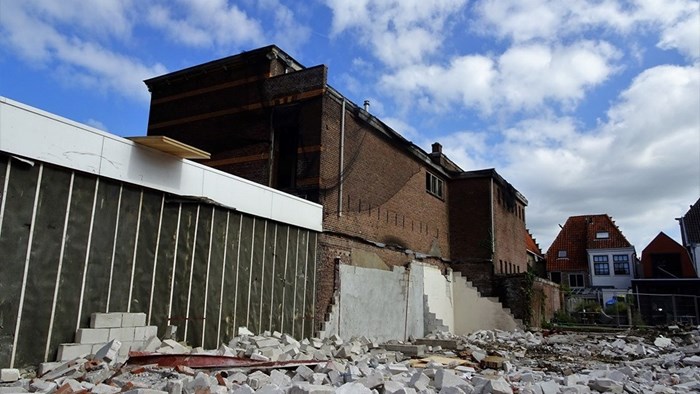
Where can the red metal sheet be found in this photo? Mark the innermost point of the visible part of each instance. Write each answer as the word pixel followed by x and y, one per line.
pixel 210 361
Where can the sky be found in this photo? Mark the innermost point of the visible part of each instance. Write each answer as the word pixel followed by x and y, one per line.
pixel 585 106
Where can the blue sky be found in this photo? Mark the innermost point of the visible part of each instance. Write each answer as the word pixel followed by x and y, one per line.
pixel 585 106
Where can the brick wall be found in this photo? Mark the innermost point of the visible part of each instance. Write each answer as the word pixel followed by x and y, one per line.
pixel 384 196
pixel 470 221
pixel 510 254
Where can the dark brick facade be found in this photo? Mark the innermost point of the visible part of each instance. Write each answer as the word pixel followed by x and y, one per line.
pixel 264 117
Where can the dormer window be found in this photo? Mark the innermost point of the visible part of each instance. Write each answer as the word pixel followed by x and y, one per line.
pixel 602 235
pixel 562 254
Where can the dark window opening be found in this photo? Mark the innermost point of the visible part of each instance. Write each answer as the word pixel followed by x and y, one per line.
pixel 666 265
pixel 286 164
pixel 576 280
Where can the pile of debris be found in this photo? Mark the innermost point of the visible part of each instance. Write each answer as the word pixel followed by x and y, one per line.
pixel 483 362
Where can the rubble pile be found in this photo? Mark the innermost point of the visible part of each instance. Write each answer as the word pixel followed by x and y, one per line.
pixel 483 362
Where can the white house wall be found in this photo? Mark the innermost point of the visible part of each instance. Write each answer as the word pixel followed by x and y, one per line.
pixel 616 281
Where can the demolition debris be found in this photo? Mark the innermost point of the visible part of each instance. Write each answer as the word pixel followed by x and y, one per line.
pixel 483 362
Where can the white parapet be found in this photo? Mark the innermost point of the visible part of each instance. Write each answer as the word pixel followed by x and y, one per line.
pixel 38 135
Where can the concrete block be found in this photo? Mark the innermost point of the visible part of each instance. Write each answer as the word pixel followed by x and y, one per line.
pixel 105 320
pixel 109 351
pixel 9 375
pixel 92 335
pixel 69 351
pixel 409 350
pixel 133 319
pixel 42 386
pixel 443 343
pixel 144 333
pixel 154 343
pixel 258 379
pixel 145 391
pixel 105 389
pixel 125 334
pixel 50 366
pixel 353 388
pixel 308 388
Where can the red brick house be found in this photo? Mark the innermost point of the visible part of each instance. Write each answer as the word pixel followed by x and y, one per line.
pixel 590 251
pixel 265 117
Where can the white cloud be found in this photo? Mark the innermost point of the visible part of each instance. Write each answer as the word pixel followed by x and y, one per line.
pixel 76 59
pixel 96 124
pixel 676 21
pixel 524 77
pixel 641 165
pixel 399 32
pixel 210 23
pixel 683 36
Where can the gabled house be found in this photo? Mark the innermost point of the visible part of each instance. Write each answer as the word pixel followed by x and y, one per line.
pixel 590 251
pixel 664 258
pixel 690 233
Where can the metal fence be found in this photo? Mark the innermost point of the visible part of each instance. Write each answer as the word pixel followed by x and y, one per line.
pixel 634 309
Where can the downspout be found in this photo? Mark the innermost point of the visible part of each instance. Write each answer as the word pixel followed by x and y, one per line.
pixel 271 159
pixel 340 165
pixel 493 226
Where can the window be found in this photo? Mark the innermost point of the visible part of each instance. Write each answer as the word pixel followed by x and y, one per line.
pixel 602 235
pixel 433 185
pixel 561 254
pixel 576 280
pixel 621 264
pixel 555 277
pixel 600 265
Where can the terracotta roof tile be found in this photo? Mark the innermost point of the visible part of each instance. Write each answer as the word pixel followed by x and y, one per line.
pixel 531 245
pixel 579 234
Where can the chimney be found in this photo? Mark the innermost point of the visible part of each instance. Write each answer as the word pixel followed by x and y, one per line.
pixel 367 105
pixel 437 148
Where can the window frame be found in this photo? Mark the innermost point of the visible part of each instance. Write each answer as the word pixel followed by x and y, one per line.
pixel 621 264
pixel 601 265
pixel 602 235
pixel 434 185
pixel 577 276
pixel 562 254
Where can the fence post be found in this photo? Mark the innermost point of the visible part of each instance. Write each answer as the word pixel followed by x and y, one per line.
pixel 673 301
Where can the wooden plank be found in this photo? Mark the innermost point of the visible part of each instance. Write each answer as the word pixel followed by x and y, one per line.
pixel 172 146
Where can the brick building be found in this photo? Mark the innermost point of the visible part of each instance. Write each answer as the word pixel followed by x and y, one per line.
pixel 265 117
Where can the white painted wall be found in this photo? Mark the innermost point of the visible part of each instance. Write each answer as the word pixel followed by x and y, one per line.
pixel 616 281
pixel 34 134
pixel 386 305
pixel 439 290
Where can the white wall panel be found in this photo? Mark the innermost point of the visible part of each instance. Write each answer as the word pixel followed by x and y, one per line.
pixel 38 135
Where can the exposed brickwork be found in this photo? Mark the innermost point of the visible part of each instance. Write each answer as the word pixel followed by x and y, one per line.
pixel 264 117
pixel 534 300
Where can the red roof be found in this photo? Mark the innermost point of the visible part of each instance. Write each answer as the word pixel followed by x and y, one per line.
pixel 579 234
pixel 531 245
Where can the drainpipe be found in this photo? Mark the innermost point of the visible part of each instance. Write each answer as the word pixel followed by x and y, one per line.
pixel 493 226
pixel 340 165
